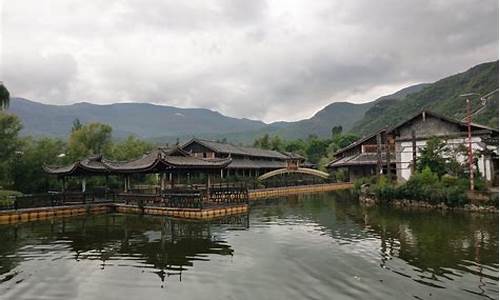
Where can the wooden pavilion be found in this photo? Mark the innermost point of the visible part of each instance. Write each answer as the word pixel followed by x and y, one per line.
pixel 174 163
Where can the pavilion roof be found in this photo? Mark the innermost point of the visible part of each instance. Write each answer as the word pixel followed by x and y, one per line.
pixel 155 161
pixel 89 166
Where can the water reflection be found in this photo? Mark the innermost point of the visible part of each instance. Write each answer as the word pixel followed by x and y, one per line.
pixel 165 247
pixel 439 246
pixel 314 247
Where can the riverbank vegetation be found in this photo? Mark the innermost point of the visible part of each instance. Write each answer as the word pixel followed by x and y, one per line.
pixel 22 158
pixel 440 178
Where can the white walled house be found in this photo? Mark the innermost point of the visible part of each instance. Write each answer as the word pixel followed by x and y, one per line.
pixel 402 141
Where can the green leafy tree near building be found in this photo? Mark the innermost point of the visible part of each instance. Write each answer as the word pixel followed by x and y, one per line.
pixel 90 139
pixel 130 148
pixel 26 168
pixel 10 125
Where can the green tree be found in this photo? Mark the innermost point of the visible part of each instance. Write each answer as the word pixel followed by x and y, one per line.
pixel 130 148
pixel 296 146
pixel 316 149
pixel 10 126
pixel 263 142
pixel 276 143
pixel 90 139
pixel 434 156
pixel 27 165
pixel 336 130
pixel 4 97
pixel 344 140
pixel 76 125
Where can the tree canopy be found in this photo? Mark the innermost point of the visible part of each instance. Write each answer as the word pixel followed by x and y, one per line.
pixel 4 97
pixel 90 139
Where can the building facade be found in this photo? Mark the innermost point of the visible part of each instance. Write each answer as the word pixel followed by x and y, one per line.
pixel 394 150
pixel 245 161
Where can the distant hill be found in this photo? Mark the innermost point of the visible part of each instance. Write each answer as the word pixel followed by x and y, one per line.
pixel 344 114
pixel 140 119
pixel 166 124
pixel 442 96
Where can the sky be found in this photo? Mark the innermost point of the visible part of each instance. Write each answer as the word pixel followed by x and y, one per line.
pixel 260 59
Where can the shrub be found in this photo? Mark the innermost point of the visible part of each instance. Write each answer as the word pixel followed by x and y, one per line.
pixel 384 190
pixel 456 195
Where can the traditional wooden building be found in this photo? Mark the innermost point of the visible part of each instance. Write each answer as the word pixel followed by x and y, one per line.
pixel 245 161
pixel 395 149
pixel 364 158
pixel 172 163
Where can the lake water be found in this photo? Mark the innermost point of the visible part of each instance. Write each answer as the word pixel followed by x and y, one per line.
pixel 313 247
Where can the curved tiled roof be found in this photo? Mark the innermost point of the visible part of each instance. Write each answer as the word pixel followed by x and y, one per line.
pixel 91 165
pixel 156 160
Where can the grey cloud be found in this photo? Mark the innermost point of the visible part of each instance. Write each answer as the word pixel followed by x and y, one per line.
pixel 47 77
pixel 258 59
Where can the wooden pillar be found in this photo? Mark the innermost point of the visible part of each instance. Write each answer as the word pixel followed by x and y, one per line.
pixel 125 183
pixel 84 184
pixel 64 184
pixel 388 156
pixel 172 183
pixel 379 154
pixel 414 151
pixel 163 178
pixel 222 173
pixel 208 185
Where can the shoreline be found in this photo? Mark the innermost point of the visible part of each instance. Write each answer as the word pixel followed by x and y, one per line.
pixel 369 201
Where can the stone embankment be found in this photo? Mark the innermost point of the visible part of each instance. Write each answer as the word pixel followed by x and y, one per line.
pixel 370 200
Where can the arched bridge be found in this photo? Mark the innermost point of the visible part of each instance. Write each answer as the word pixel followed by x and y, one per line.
pixel 306 171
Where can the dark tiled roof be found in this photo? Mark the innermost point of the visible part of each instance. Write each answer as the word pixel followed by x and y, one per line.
pixel 358 159
pixel 255 164
pixel 145 163
pixel 360 141
pixel 444 118
pixel 239 150
pixel 156 160
pixel 91 165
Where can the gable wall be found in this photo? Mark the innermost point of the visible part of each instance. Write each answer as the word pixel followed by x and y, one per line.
pixel 431 126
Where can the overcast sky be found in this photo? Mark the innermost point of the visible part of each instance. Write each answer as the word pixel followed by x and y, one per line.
pixel 269 60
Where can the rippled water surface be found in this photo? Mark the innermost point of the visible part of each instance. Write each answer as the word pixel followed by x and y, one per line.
pixel 316 247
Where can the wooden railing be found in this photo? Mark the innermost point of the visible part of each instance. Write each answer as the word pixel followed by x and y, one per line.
pixel 55 199
pixel 228 195
pixel 194 198
pixel 184 198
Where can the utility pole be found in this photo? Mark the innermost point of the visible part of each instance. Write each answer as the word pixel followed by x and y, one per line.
pixel 469 133
pixel 483 99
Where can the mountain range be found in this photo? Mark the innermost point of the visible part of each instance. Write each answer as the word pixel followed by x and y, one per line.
pixel 162 124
